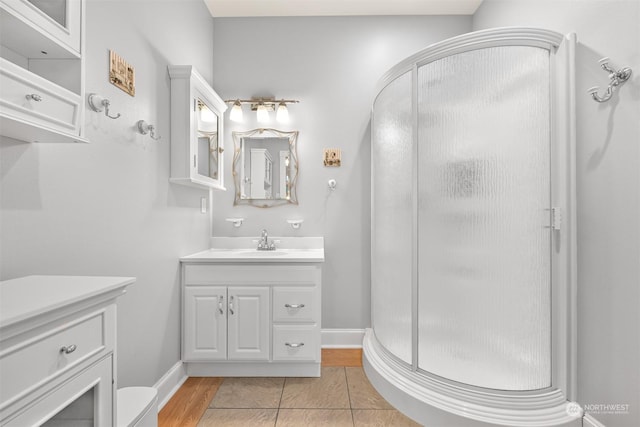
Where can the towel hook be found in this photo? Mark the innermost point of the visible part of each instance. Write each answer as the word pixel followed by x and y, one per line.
pixel 145 128
pixel 98 103
pixel 616 79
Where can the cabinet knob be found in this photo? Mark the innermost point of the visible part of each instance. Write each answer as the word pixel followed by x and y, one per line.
pixel 294 345
pixel 68 349
pixel 294 305
pixel 34 97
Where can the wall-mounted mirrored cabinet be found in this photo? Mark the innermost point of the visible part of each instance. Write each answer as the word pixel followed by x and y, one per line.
pixel 197 149
pixel 265 167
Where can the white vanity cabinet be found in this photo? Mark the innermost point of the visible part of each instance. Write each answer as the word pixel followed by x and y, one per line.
pixel 197 148
pixel 226 323
pixel 42 70
pixel 251 318
pixel 57 350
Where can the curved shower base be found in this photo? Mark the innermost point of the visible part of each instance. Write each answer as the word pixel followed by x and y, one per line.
pixel 436 402
pixel 437 271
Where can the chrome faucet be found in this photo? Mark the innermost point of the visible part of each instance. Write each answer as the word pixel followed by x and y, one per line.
pixel 264 245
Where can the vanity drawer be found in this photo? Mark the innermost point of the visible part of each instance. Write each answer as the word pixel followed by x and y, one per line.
pixel 32 363
pixel 27 97
pixel 295 304
pixel 296 342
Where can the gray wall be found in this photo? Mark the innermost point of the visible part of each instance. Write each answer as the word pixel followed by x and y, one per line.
pixel 332 65
pixel 107 208
pixel 608 181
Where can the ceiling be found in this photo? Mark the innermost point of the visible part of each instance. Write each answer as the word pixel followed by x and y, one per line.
pixel 249 8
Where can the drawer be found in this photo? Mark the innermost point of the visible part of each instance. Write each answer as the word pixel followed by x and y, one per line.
pixel 31 364
pixel 51 106
pixel 296 342
pixel 295 304
pixel 244 274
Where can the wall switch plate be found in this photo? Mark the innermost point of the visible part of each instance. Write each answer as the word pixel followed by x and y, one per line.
pixel 332 156
pixel 203 205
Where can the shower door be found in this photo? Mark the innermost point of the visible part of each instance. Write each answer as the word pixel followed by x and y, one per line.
pixel 484 269
pixel 392 206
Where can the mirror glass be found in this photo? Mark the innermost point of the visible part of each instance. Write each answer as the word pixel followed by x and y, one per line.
pixel 265 167
pixel 55 9
pixel 208 147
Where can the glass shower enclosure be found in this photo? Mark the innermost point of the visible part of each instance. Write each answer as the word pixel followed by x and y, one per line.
pixel 473 274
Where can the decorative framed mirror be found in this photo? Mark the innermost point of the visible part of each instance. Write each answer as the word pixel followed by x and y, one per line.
pixel 265 167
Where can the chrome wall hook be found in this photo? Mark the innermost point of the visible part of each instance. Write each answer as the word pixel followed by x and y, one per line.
pixel 98 103
pixel 145 128
pixel 616 79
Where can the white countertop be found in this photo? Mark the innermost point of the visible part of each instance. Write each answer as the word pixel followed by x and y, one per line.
pixel 31 296
pixel 243 249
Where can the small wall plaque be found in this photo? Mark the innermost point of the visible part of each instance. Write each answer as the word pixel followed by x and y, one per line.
pixel 121 73
pixel 332 157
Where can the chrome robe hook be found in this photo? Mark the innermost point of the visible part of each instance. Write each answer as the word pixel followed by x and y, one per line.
pixel 616 79
pixel 98 103
pixel 145 128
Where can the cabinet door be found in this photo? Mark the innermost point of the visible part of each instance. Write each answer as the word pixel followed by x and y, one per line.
pixel 249 324
pixel 55 405
pixel 59 20
pixel 205 323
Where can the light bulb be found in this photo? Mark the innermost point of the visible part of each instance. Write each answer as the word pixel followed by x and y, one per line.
pixel 282 115
pixel 206 115
pixel 262 113
pixel 236 112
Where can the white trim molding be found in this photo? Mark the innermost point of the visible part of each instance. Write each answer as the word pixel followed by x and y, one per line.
pixel 342 338
pixel 170 382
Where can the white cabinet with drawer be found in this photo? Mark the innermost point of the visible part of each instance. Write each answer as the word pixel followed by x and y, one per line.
pixel 251 319
pixel 42 70
pixel 57 343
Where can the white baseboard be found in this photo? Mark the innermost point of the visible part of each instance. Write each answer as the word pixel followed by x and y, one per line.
pixel 342 338
pixel 170 383
pixel 589 421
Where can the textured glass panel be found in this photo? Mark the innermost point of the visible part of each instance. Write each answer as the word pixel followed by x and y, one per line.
pixel 484 251
pixel 392 207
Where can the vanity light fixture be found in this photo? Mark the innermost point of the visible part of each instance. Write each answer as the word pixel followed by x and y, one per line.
pixel 262 114
pixel 206 115
pixel 282 113
pixel 262 107
pixel 236 112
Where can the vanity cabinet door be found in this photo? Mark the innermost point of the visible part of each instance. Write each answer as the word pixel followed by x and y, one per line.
pixel 205 323
pixel 249 324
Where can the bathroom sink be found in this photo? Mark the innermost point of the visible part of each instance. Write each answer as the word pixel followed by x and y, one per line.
pixel 243 249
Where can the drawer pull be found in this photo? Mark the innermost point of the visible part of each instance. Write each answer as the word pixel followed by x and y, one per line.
pixel 294 305
pixel 293 344
pixel 34 97
pixel 68 349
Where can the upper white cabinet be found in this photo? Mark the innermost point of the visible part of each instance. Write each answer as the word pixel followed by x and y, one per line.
pixel 41 70
pixel 196 130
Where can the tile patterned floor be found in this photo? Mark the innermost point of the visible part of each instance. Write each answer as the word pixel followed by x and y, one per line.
pixel 342 396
